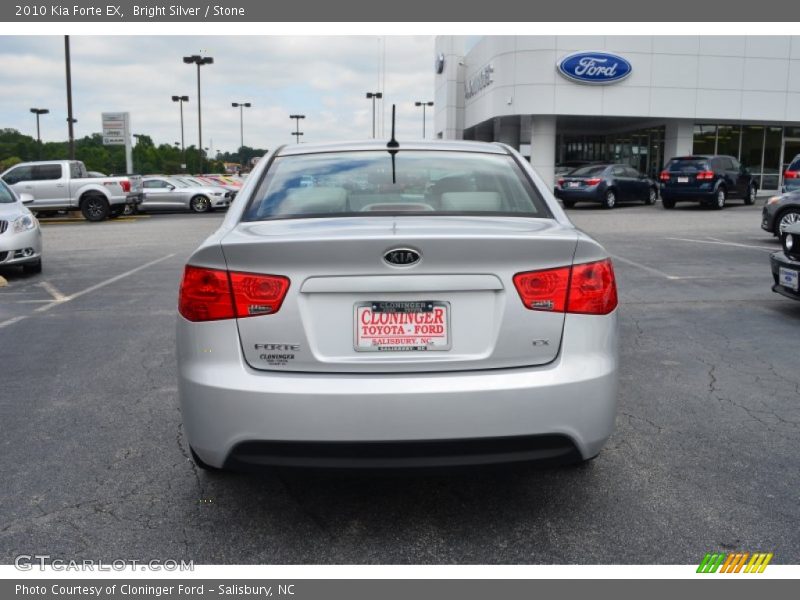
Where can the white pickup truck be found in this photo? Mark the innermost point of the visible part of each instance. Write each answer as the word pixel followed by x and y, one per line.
pixel 65 185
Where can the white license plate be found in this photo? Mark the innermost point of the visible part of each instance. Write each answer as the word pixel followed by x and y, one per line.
pixel 788 278
pixel 683 180
pixel 574 184
pixel 418 326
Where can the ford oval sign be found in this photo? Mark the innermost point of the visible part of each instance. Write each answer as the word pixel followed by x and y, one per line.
pixel 596 68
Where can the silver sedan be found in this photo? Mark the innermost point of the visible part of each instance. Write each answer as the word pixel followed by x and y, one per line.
pixel 170 193
pixel 427 304
pixel 20 236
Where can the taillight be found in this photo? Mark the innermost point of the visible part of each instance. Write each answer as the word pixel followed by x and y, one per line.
pixel 791 174
pixel 704 175
pixel 213 294
pixel 593 181
pixel 561 182
pixel 664 176
pixel 588 288
pixel 125 184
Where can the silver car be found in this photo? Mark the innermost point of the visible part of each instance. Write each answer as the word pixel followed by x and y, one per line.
pixel 20 236
pixel 427 304
pixel 170 193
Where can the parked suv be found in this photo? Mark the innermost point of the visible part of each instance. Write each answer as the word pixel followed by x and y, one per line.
pixel 708 179
pixel 791 176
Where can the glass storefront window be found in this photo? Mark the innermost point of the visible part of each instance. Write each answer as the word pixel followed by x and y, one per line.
pixel 704 139
pixel 728 140
pixel 772 158
pixel 752 147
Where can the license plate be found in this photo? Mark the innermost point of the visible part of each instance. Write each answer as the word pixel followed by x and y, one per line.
pixel 788 278
pixel 574 184
pixel 418 326
pixel 683 180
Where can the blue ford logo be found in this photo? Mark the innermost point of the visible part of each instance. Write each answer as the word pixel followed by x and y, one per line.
pixel 597 68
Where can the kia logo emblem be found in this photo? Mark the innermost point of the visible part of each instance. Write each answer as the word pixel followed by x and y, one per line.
pixel 401 257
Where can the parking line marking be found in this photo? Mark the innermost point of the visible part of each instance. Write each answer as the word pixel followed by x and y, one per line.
pixel 102 284
pixel 646 268
pixel 722 243
pixel 53 291
pixel 12 321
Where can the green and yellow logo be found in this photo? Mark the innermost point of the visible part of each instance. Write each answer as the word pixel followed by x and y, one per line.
pixel 735 562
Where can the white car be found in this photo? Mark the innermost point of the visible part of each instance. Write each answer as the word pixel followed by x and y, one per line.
pixel 170 193
pixel 20 236
pixel 400 305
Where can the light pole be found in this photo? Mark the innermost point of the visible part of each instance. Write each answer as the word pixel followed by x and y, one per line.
pixel 181 100
pixel 297 133
pixel 38 112
pixel 374 96
pixel 70 120
pixel 423 105
pixel 241 106
pixel 196 59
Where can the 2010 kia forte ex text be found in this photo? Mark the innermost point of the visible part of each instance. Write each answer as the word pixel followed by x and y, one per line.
pixel 396 305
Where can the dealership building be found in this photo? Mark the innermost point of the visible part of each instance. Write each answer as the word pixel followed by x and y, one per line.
pixel 637 100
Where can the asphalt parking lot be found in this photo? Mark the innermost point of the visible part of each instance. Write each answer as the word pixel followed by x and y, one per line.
pixel 706 453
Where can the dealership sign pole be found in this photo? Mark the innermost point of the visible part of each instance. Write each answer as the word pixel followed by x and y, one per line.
pixel 117 132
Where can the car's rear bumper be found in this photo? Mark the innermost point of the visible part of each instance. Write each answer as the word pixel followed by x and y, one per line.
pixel 593 194
pixel 687 194
pixel 284 418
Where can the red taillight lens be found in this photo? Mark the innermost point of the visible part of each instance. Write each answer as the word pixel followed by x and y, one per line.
pixel 561 182
pixel 592 288
pixel 212 294
pixel 258 294
pixel 543 290
pixel 205 295
pixel 791 175
pixel 593 181
pixel 704 175
pixel 588 288
pixel 125 184
pixel 664 176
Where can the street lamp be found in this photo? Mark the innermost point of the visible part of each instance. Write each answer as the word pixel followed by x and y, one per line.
pixel 297 133
pixel 374 96
pixel 241 106
pixel 38 112
pixel 423 105
pixel 196 59
pixel 181 100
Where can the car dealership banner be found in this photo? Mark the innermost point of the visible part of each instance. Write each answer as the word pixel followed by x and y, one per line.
pixel 407 11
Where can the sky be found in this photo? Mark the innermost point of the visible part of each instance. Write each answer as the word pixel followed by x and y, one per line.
pixel 325 78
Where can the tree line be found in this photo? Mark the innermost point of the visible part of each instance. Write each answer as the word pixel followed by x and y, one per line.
pixel 16 147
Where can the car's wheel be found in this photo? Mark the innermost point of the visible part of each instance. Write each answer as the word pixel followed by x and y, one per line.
pixel 719 199
pixel 750 195
pixel 785 219
pixel 568 203
pixel 610 199
pixel 668 203
pixel 202 465
pixel 94 207
pixel 32 268
pixel 200 204
pixel 652 194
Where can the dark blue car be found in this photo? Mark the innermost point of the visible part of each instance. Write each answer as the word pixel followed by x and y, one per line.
pixel 607 184
pixel 710 180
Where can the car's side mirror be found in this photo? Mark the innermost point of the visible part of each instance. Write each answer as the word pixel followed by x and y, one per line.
pixel 26 198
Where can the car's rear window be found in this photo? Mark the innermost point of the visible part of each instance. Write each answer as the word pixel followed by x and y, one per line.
pixel 691 165
pixel 414 182
pixel 587 171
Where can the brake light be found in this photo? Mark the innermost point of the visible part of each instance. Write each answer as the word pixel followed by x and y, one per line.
pixel 593 181
pixel 214 294
pixel 791 175
pixel 561 182
pixel 704 175
pixel 588 288
pixel 125 184
pixel 664 176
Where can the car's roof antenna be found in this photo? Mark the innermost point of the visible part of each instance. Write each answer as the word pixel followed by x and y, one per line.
pixel 394 147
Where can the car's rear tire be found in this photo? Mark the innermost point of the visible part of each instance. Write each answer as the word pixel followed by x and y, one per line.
pixel 609 200
pixel 750 196
pixel 719 199
pixel 788 217
pixel 95 208
pixel 668 203
pixel 200 204
pixel 568 203
pixel 652 194
pixel 32 268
